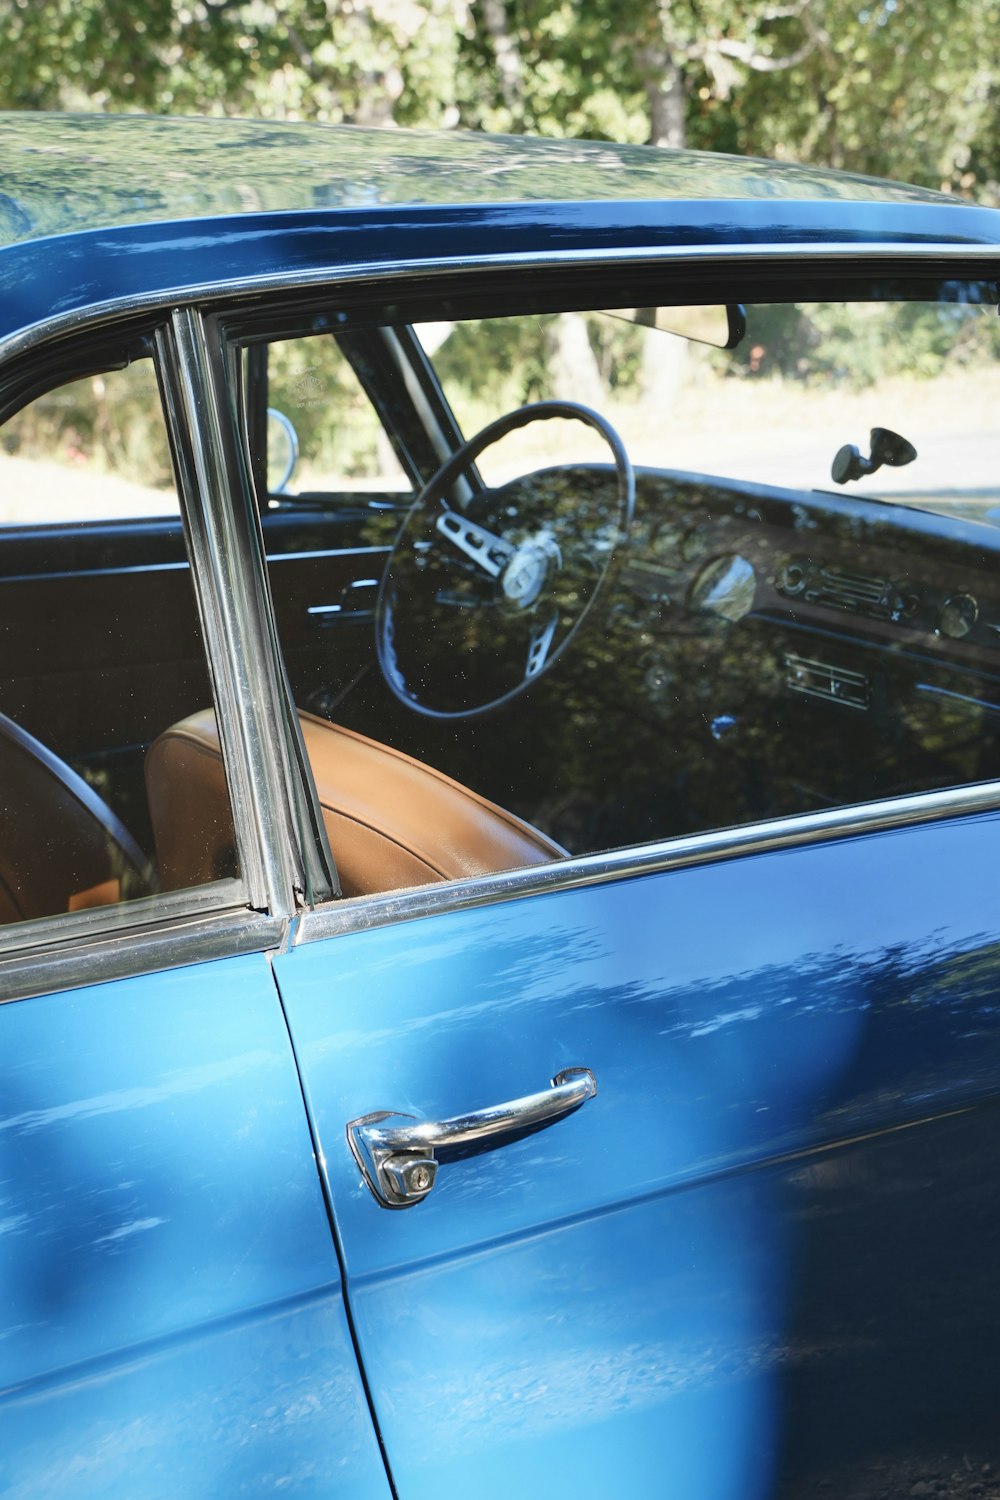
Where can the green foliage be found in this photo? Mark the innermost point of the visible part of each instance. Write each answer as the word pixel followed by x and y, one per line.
pixel 897 88
pixel 499 364
pixel 618 350
pixel 295 59
pixel 856 345
pixel 107 424
pixel 311 382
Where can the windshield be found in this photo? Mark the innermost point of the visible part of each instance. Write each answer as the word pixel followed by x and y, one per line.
pixel 806 381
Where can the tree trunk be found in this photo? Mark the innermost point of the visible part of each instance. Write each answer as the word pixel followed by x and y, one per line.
pixel 667 102
pixel 507 54
pixel 574 370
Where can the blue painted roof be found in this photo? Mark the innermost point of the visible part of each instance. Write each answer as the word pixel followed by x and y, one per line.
pixel 65 173
pixel 100 209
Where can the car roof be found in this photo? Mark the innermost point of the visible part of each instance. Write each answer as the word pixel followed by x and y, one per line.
pixel 103 211
pixel 66 173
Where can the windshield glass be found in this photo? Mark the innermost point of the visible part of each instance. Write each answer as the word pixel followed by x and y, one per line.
pixel 806 380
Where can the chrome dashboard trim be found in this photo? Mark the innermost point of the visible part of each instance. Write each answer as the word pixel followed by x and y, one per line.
pixel 968 699
pixel 363 912
pixel 352 271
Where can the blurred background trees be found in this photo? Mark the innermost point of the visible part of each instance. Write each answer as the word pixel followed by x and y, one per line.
pixel 898 88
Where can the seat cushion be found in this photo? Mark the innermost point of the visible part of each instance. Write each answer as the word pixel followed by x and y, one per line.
pixel 392 821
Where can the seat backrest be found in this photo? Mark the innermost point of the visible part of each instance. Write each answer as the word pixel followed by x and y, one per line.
pixel 392 821
pixel 61 846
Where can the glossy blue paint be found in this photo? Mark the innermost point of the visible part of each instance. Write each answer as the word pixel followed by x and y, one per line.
pixel 171 1319
pixel 689 1287
pixel 65 173
pixel 887 1374
pixel 618 1300
pixel 97 212
pixel 104 268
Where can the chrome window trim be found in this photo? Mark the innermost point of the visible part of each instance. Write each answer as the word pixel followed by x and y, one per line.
pixel 334 274
pixel 363 912
pixel 122 918
pixel 173 928
pixel 229 597
pixel 174 939
pixel 189 927
pixel 293 834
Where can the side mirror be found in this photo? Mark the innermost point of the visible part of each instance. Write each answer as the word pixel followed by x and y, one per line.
pixel 282 451
pixel 887 448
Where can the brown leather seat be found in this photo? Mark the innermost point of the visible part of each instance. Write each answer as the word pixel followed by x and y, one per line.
pixel 61 847
pixel 392 822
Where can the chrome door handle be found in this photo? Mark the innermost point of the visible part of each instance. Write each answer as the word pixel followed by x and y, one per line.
pixel 399 1162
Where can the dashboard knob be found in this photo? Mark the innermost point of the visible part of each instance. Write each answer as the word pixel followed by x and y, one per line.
pixel 958 615
pixel 725 587
pixel 792 578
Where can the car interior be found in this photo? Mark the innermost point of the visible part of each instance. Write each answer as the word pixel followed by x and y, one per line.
pixel 547 580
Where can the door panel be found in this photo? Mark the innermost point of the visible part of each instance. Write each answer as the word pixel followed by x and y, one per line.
pixel 628 1301
pixel 172 1320
pixel 102 648
pixel 106 614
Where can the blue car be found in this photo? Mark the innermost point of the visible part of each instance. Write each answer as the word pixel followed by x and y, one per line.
pixel 499 790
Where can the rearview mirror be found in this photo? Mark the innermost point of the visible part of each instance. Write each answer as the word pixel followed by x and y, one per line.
pixel 723 327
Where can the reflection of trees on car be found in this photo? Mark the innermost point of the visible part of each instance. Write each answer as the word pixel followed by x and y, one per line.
pixel 899 90
pixel 667 718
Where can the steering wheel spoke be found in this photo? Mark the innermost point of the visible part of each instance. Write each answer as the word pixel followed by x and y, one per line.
pixel 471 612
pixel 539 645
pixel 490 553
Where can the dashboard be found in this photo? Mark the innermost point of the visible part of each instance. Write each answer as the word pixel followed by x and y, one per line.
pixel 755 652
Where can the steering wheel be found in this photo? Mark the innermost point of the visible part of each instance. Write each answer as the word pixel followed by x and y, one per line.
pixel 485 588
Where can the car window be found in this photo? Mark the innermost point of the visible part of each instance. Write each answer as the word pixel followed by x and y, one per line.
pixel 93 449
pixel 768 411
pixel 105 695
pixel 324 437
pixel 672 587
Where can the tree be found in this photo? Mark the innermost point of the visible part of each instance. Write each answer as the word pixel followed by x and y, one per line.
pixel 300 59
pixel 904 88
pixel 654 59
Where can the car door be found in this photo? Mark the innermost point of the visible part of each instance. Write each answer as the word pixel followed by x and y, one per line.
pixel 172 1311
pixel 665 1170
pixel 172 1319
pixel 762 1251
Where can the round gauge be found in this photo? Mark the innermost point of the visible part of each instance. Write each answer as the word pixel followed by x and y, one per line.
pixel 725 587
pixel 958 615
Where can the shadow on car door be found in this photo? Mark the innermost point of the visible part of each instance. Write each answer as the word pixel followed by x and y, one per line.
pixel 705 1280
